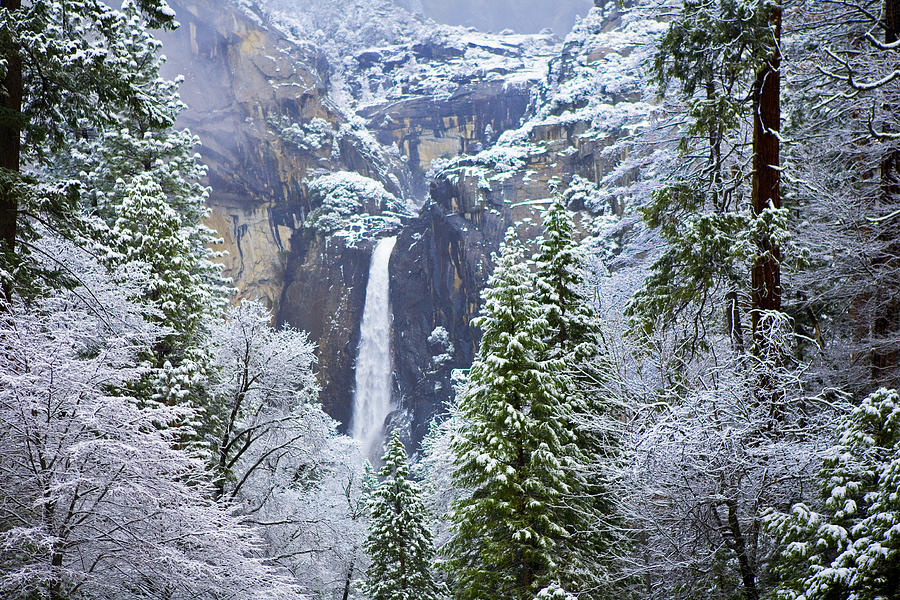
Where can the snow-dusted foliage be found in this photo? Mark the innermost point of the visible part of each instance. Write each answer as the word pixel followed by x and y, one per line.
pixel 435 467
pixel 278 457
pixel 596 95
pixel 703 466
pixel 354 207
pixel 848 544
pixel 514 453
pixel 399 543
pixel 99 500
pixel 262 387
pixel 845 183
pixel 380 52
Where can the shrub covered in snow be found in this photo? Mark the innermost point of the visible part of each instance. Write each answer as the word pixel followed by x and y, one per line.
pixel 353 206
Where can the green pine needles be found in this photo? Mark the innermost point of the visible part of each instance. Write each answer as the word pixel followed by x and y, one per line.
pixel 515 451
pixel 400 543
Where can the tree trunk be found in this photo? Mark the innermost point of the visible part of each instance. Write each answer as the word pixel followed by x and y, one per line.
pixel 886 321
pixel 739 545
pixel 733 321
pixel 348 581
pixel 891 21
pixel 766 193
pixel 10 146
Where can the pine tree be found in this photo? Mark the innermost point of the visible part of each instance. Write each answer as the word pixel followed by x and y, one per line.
pixel 573 330
pixel 65 65
pixel 142 143
pixel 399 544
pixel 850 546
pixel 574 337
pixel 723 253
pixel 514 451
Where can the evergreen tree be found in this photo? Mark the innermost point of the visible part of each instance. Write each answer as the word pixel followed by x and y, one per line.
pixel 850 546
pixel 65 65
pixel 573 337
pixel 399 544
pixel 104 164
pixel 722 253
pixel 573 329
pixel 514 451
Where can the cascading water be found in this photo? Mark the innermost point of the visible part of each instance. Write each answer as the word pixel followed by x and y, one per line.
pixel 372 391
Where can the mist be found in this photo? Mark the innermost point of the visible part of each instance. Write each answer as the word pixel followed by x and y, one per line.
pixel 522 16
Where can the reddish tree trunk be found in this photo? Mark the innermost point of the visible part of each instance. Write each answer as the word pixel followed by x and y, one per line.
pixel 10 144
pixel 766 193
pixel 887 321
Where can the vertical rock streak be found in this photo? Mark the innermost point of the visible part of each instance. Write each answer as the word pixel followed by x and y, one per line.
pixel 372 390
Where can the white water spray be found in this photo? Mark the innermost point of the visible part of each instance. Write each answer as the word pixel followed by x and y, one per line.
pixel 372 391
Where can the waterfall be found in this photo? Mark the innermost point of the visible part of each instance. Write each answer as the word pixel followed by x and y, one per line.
pixel 372 389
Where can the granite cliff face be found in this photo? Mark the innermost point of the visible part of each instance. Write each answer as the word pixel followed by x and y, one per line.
pixel 577 141
pixel 244 85
pixel 252 94
pixel 474 129
pixel 259 101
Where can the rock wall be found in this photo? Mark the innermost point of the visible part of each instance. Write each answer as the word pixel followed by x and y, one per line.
pixel 577 147
pixel 243 83
pixel 427 128
pixel 258 100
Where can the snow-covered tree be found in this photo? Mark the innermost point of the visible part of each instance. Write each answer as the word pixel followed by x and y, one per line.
pixel 400 545
pixel 704 462
pixel 277 456
pixel 140 152
pixel 514 450
pixel 848 545
pixel 573 337
pixel 843 100
pixel 435 469
pixel 148 230
pixel 725 240
pixel 99 500
pixel 263 383
pixel 65 65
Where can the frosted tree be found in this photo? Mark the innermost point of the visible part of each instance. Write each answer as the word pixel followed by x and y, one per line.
pixel 263 385
pixel 573 336
pixel 113 162
pixel 848 545
pixel 702 468
pixel 277 456
pixel 514 451
pixel 723 253
pixel 64 65
pixel 435 469
pixel 399 544
pixel 99 500
pixel 844 76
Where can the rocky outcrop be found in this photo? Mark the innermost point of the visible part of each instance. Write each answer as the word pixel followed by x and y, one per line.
pixel 258 100
pixel 426 128
pixel 324 295
pixel 245 85
pixel 573 145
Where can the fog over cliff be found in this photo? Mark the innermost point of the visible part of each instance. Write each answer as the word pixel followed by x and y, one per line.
pixel 522 16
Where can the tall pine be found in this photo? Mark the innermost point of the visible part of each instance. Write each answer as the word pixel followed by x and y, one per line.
pixel 514 451
pixel 400 544
pixel 725 239
pixel 573 336
pixel 65 65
